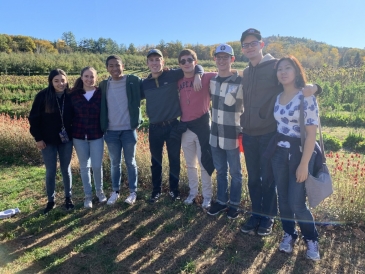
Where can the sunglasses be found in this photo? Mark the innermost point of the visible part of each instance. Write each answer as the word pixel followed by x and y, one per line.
pixel 189 60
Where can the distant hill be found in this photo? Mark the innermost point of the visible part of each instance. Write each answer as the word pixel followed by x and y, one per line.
pixel 311 53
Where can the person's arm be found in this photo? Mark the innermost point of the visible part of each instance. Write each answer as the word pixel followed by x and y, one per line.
pixel 143 96
pixel 35 121
pixel 310 140
pixel 311 89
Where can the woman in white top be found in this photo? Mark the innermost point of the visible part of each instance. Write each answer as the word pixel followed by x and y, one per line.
pixel 290 162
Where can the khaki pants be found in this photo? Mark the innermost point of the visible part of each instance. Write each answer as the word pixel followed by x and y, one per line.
pixel 192 153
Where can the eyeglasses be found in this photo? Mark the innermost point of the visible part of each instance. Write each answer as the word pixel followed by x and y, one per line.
pixel 225 57
pixel 189 60
pixel 252 44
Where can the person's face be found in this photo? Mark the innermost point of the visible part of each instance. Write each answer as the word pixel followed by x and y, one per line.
pixel 115 68
pixel 59 82
pixel 286 73
pixel 187 63
pixel 252 47
pixel 223 61
pixel 155 63
pixel 88 78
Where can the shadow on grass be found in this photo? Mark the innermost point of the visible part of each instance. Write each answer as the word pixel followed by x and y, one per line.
pixel 162 238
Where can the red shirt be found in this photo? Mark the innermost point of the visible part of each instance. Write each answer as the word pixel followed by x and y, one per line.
pixel 194 104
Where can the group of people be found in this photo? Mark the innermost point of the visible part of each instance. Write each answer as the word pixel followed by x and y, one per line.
pixel 262 104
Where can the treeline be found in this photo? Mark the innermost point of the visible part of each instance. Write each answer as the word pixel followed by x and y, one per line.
pixel 40 64
pixel 77 53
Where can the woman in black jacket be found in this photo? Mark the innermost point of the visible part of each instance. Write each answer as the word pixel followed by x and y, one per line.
pixel 50 122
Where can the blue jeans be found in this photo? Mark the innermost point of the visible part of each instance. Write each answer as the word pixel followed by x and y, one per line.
pixel 126 140
pixel 261 185
pixel 90 154
pixel 292 197
pixel 157 136
pixel 222 159
pixel 49 154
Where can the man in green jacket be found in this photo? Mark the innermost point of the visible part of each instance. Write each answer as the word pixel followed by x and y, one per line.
pixel 120 117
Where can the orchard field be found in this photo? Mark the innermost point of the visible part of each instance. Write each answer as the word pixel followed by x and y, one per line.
pixel 174 238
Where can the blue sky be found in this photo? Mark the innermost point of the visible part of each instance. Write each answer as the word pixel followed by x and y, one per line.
pixel 338 23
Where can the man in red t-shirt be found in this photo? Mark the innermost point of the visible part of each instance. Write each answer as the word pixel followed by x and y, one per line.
pixel 195 115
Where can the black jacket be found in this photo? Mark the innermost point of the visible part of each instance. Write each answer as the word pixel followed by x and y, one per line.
pixel 47 126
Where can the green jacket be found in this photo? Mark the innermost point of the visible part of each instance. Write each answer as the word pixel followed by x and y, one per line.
pixel 134 102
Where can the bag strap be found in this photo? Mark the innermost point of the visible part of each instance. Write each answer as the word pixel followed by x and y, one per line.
pixel 302 129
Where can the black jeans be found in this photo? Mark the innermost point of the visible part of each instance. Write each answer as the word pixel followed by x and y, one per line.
pixel 261 183
pixel 158 135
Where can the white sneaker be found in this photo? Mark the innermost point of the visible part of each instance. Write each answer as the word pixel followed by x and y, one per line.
pixel 313 250
pixel 101 196
pixel 131 198
pixel 287 243
pixel 206 203
pixel 190 199
pixel 88 202
pixel 113 198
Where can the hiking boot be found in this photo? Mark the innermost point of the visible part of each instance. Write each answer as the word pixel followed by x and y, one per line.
pixel 101 196
pixel 190 200
pixel 313 250
pixel 113 198
pixel 88 202
pixel 49 207
pixel 174 195
pixel 206 203
pixel 287 243
pixel 250 226
pixel 131 199
pixel 69 205
pixel 154 197
pixel 265 227
pixel 216 208
pixel 232 213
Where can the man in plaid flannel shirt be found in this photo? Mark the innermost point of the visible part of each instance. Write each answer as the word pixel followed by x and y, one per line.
pixel 227 107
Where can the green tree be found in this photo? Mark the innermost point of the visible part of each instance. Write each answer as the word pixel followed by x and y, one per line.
pixel 132 49
pixel 70 40
pixel 5 43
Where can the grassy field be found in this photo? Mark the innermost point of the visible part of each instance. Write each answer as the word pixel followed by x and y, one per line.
pixel 163 238
pixel 166 237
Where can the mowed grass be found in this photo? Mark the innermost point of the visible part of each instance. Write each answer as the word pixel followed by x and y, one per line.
pixel 162 238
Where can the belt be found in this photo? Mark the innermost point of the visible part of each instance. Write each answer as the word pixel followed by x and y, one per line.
pixel 164 123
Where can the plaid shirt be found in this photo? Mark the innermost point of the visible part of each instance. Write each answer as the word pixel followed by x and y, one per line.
pixel 227 107
pixel 86 119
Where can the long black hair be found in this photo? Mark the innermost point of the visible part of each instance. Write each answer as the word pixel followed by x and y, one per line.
pixel 50 97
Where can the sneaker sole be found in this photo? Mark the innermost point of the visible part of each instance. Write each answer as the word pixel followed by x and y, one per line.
pixel 232 218
pixel 128 202
pixel 285 251
pixel 250 232
pixel 264 234
pixel 216 213
pixel 313 259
